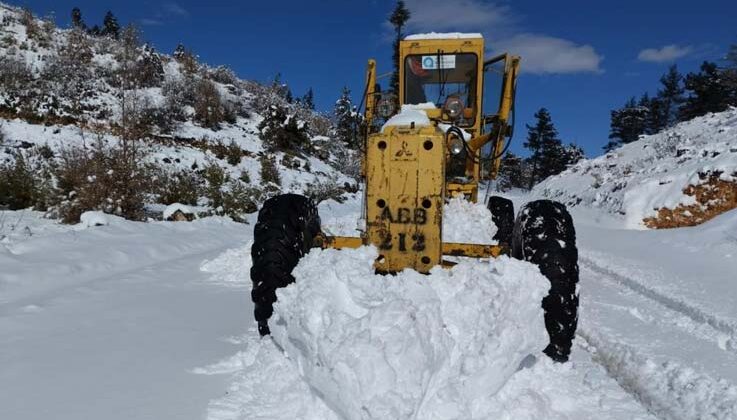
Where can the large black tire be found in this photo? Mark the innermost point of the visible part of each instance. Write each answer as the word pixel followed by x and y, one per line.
pixel 286 227
pixel 544 235
pixel 502 214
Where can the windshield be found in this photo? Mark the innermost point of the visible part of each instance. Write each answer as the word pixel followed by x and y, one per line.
pixel 433 78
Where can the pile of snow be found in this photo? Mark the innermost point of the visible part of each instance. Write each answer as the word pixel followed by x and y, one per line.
pixel 641 177
pixel 410 345
pixel 410 114
pixel 94 218
pixel 441 35
pixel 467 222
pixel 171 209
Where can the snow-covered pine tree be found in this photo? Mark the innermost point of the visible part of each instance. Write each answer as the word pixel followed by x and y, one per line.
pixel 710 92
pixel 77 21
pixel 110 26
pixel 345 120
pixel 511 173
pixel 573 153
pixel 179 52
pixel 149 69
pixel 627 124
pixel 281 131
pixel 308 99
pixel 399 17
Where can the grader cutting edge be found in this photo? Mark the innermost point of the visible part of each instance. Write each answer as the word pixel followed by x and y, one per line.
pixel 455 121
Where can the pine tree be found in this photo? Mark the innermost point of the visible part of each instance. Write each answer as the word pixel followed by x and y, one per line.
pixel 308 99
pixel 668 100
pixel 280 131
pixel 77 21
pixel 179 52
pixel 511 173
pixel 730 73
pixel 110 26
pixel 646 106
pixel 573 154
pixel 709 92
pixel 627 124
pixel 548 155
pixel 398 19
pixel 346 120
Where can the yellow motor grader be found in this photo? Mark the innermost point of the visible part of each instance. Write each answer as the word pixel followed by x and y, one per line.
pixel 451 118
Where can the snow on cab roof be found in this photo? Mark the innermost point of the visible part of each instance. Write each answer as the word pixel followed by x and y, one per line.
pixel 440 35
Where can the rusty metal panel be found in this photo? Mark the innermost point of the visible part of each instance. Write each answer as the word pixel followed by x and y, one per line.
pixel 405 170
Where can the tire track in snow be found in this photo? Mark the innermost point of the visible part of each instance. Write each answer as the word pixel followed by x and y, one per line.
pixel 668 390
pixel 12 306
pixel 680 306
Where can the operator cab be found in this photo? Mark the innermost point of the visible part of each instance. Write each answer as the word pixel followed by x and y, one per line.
pixel 438 78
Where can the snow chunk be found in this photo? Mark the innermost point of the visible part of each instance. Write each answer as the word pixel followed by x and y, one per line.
pixel 94 218
pixel 175 207
pixel 441 35
pixel 410 345
pixel 408 115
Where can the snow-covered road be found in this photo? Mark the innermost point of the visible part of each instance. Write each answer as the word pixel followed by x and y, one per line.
pixel 153 321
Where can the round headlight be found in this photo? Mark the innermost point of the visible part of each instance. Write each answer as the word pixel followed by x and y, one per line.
pixel 453 107
pixel 386 106
pixel 455 145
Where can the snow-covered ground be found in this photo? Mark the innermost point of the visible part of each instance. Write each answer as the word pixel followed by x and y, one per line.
pixel 637 179
pixel 132 320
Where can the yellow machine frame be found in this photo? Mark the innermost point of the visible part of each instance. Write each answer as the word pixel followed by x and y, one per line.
pixel 404 167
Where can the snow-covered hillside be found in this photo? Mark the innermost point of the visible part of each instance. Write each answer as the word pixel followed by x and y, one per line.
pixel 647 182
pixel 63 90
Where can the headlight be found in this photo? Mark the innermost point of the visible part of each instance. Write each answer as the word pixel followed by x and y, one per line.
pixel 453 107
pixel 386 106
pixel 455 145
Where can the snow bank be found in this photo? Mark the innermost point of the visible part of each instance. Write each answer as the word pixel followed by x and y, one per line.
pixel 641 177
pixel 408 346
pixel 221 268
pixel 441 35
pixel 408 115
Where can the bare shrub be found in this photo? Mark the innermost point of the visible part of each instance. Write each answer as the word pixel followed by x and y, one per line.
pixel 14 75
pixel 322 190
pixel 103 178
pixel 208 108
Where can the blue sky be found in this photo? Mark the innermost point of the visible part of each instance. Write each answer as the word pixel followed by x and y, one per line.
pixel 580 58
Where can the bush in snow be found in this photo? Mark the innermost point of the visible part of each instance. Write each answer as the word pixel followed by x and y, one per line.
pixel 325 190
pixel 109 179
pixel 231 152
pixel 208 107
pixel 223 75
pixel 178 95
pixel 282 132
pixel 18 184
pixel 14 74
pixel 240 199
pixel 179 187
pixel 148 68
pixel 269 172
pixel 215 179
